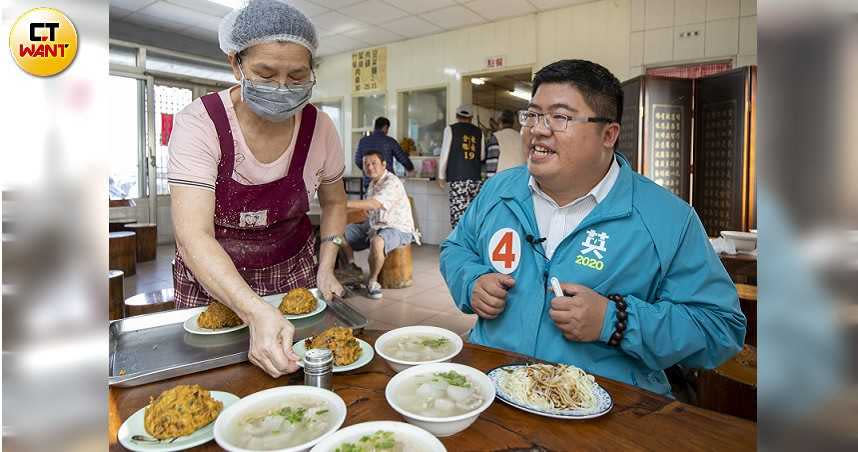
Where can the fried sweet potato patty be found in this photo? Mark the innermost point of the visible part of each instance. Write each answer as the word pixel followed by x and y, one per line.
pixel 218 315
pixel 338 340
pixel 298 301
pixel 180 411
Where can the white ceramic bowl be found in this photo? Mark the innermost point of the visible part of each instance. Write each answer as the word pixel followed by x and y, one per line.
pixel 407 432
pixel 397 364
pixel 744 241
pixel 442 426
pixel 270 396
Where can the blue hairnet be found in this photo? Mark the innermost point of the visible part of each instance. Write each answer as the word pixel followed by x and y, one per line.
pixel 261 21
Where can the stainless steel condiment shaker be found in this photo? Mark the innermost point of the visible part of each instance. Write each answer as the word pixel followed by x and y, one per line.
pixel 318 367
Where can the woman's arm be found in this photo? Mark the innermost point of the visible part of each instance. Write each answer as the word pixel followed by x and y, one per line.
pixel 332 198
pixel 271 334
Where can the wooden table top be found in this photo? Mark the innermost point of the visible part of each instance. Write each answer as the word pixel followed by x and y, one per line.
pixel 639 419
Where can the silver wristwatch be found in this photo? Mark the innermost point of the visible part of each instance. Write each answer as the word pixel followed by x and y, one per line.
pixel 337 239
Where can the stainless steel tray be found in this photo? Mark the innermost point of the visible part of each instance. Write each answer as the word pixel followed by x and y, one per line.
pixel 155 347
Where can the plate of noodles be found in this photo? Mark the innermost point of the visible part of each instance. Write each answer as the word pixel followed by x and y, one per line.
pixel 552 390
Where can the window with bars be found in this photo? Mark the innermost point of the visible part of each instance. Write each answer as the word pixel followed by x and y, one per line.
pixel 169 100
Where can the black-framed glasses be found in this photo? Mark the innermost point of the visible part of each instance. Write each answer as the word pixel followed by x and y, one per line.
pixel 555 121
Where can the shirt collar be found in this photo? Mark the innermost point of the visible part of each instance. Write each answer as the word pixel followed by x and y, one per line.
pixel 599 192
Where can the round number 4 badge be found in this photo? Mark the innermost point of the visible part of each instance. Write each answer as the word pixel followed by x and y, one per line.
pixel 505 250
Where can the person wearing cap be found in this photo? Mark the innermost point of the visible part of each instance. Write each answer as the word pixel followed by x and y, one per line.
pixel 503 149
pixel 244 165
pixel 462 154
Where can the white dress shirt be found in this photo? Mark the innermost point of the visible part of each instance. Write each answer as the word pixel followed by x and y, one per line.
pixel 556 222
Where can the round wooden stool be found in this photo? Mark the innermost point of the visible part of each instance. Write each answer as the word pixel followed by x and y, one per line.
pixel 396 271
pixel 123 252
pixel 118 224
pixel 147 240
pixel 732 387
pixel 117 294
pixel 149 302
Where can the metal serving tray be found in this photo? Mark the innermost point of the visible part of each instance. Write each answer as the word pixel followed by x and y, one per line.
pixel 155 347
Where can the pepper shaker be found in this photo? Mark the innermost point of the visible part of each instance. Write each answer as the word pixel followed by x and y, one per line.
pixel 318 367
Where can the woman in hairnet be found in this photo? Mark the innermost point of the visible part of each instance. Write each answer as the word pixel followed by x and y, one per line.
pixel 244 164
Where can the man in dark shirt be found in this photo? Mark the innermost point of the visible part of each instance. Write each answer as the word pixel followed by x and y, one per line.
pixel 379 141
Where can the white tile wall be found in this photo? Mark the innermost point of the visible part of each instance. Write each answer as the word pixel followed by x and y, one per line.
pixel 690 12
pixel 636 49
pixel 746 60
pixel 638 15
pixel 722 37
pixel 659 14
pixel 658 46
pixel 721 9
pixel 689 47
pixel 749 7
pixel 748 35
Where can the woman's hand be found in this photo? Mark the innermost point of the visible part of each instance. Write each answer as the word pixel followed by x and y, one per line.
pixel 328 284
pixel 271 341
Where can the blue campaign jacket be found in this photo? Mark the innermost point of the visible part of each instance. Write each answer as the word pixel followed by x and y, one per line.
pixel 641 242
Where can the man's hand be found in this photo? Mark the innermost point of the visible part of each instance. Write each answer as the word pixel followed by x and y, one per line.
pixel 328 284
pixel 579 315
pixel 488 298
pixel 442 183
pixel 271 341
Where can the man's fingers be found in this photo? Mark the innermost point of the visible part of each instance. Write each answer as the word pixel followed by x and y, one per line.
pixel 507 281
pixel 495 289
pixel 571 290
pixel 562 303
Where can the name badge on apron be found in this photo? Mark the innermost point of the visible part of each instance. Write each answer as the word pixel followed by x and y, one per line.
pixel 253 219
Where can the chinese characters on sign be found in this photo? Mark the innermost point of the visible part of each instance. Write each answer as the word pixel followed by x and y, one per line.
pixel 494 62
pixel 469 147
pixel 369 70
pixel 717 173
pixel 666 146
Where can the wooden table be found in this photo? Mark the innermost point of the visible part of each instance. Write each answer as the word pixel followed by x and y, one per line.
pixel 639 420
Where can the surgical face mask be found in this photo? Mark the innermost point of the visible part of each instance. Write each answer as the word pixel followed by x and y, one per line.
pixel 273 101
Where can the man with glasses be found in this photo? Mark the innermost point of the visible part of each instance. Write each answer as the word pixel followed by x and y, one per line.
pixel 638 286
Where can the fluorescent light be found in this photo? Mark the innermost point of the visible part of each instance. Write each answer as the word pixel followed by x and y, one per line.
pixel 450 71
pixel 478 81
pixel 521 94
pixel 230 3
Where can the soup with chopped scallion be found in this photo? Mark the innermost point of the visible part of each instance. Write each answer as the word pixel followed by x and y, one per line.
pixel 286 423
pixel 419 347
pixel 438 394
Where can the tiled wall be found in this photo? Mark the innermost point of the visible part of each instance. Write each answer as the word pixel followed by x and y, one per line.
pixel 665 32
pixel 598 31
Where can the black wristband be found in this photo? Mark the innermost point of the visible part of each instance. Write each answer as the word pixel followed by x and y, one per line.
pixel 622 317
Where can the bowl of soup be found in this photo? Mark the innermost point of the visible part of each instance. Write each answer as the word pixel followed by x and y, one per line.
pixel 441 398
pixel 288 418
pixel 381 436
pixel 412 345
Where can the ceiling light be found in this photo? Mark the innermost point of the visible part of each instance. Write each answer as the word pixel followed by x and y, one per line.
pixel 478 81
pixel 229 3
pixel 450 71
pixel 521 94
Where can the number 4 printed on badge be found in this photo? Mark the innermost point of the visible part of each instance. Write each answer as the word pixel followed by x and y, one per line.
pixel 505 250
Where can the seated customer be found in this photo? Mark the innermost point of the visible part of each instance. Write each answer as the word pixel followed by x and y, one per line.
pixel 389 225
pixel 642 288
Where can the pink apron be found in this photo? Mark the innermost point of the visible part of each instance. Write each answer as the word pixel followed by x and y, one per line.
pixel 263 228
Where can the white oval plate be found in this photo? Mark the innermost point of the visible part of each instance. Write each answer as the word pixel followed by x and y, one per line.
pixel 603 404
pixel 365 356
pixel 134 426
pixel 191 326
pixel 275 299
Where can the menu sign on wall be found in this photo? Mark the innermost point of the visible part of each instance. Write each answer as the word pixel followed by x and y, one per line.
pixel 666 147
pixel 369 70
